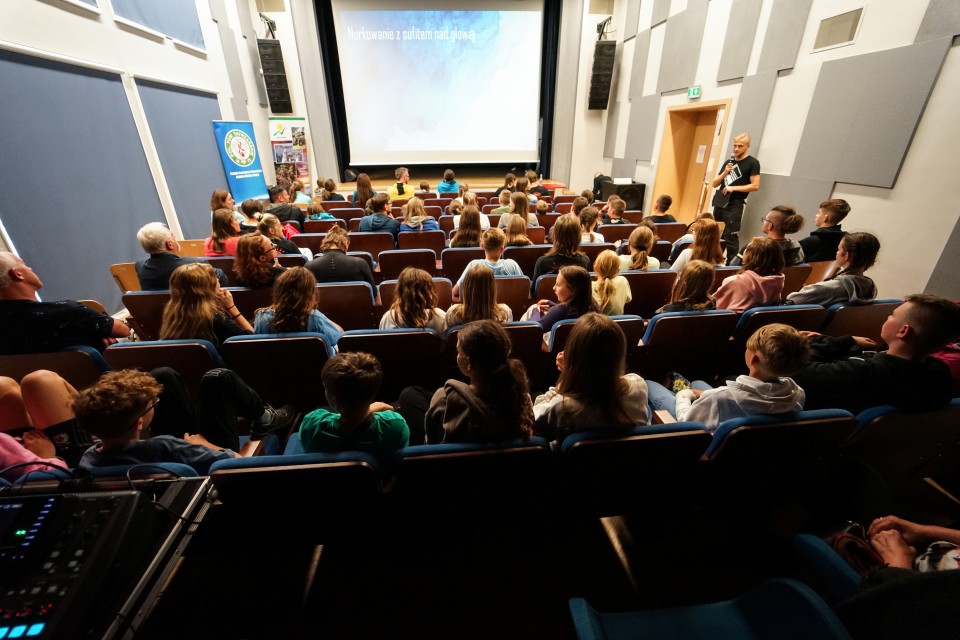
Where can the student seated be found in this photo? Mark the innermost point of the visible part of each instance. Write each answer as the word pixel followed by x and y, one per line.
pixel 329 191
pixel 589 218
pixel 706 245
pixel 855 254
pixel 415 217
pixel 778 222
pixel 333 264
pixel 354 422
pixel 611 291
pixel 535 186
pixel 415 304
pixel 517 233
pixel 294 308
pixel 691 291
pixel 503 198
pixel 256 263
pixel 478 299
pixel 660 208
pixel 773 352
pixel 492 242
pixel 840 377
pixel 124 405
pixel 639 245
pixel 36 425
pixel 760 281
pixel 199 309
pixel 823 241
pixel 574 298
pixel 162 246
pixel 614 212
pixel 449 183
pixel 382 217
pixel 565 250
pixel 224 234
pixel 518 208
pixel 593 391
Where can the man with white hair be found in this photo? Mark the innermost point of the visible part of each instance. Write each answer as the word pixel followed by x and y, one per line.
pixel 154 272
pixel 30 326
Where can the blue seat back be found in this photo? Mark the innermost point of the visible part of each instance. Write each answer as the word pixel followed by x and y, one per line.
pixel 396 349
pixel 81 366
pixel 695 343
pixel 190 358
pixel 847 319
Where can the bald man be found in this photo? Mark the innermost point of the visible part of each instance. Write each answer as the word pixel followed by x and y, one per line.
pixel 738 178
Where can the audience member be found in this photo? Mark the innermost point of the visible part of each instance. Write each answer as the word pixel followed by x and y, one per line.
pixel 565 250
pixel 477 290
pixel 424 187
pixel 574 298
pixel 224 235
pixel 364 191
pixel 492 242
pixel 449 183
pixel 660 208
pixel 223 199
pixel 611 291
pixel 523 186
pixel 773 352
pixel 36 425
pixel 354 422
pixel 579 204
pixel 593 392
pixel 154 272
pixel 779 221
pixel 315 212
pixel 639 244
pixel 297 196
pixel 588 194
pixel 589 217
pixel 691 292
pixel 457 216
pixel 504 200
pixel 907 545
pixel 329 191
pixel 518 207
pixel 270 227
pixel 280 206
pixel 415 303
pixel 333 264
pixel 705 246
pixel 841 377
pixel 509 181
pixel 294 308
pixel 855 254
pixel 34 327
pixel 823 241
pixel 759 282
pixel 614 212
pixel 199 309
pixel 517 233
pixel 401 190
pixel 256 263
pixel 468 226
pixel 687 237
pixel 543 207
pixel 250 211
pixel 381 218
pixel 535 187
pixel 415 217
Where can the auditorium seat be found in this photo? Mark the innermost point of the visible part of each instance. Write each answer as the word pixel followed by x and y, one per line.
pixel 537 235
pixel 446 223
pixel 670 231
pixel 249 300
pixel 661 251
pixel 615 232
pixel 81 366
pixel 650 290
pixel 407 356
pixel 372 242
pixel 563 207
pixel 441 202
pixel 146 307
pixel 435 240
pixel 794 277
pixel 310 241
pixel 394 261
pixel 547 220
pixel 292 260
pixel 192 248
pixel 633 215
pixel 322 226
pixel 350 213
pixel 301 357
pixel 495 219
pixel 692 343
pixel 593 249
pixel 125 276
pixel 719 274
pixel 442 286
pixel 487 208
pixel 434 212
pixel 353 225
pixel 543 288
pixel 527 256
pixel 565 198
pixel 514 291
pixel 632 327
pixel 847 319
pixel 349 304
pixel 190 358
pixel 613 471
pixel 455 260
pixel 820 271
pixel 802 317
pixel 330 205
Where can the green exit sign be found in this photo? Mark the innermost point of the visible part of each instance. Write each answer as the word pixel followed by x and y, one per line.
pixel 693 92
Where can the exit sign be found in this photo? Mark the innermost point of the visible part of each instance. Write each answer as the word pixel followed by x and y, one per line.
pixel 693 92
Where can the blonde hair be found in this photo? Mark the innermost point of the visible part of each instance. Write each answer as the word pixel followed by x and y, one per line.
pixel 415 299
pixel 517 232
pixel 641 244
pixel 784 349
pixel 415 214
pixel 607 267
pixel 193 303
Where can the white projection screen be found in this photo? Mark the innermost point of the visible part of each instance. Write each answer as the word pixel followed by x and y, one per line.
pixel 426 85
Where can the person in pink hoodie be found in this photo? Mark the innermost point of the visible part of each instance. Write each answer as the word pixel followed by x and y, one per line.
pixel 760 281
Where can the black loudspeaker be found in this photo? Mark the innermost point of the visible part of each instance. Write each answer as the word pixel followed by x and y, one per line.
pixel 349 175
pixel 274 75
pixel 631 193
pixel 602 78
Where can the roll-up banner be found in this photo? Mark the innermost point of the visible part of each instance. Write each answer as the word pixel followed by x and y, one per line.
pixel 238 151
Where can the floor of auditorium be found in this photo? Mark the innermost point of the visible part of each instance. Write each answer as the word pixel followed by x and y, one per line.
pixel 475 580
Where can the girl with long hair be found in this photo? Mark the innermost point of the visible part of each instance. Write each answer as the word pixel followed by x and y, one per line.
pixel 294 308
pixel 565 249
pixel 691 292
pixel 415 217
pixel 252 211
pixel 199 309
pixel 329 191
pixel 517 233
pixel 593 392
pixel 706 245
pixel 519 208
pixel 574 298
pixel 611 291
pixel 478 299
pixel 855 254
pixel 224 234
pixel 589 218
pixel 468 226
pixel 364 191
pixel 297 196
pixel 495 405
pixel 759 281
pixel 640 244
pixel 256 262
pixel 415 303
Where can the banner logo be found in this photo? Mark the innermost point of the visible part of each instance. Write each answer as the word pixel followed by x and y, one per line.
pixel 239 147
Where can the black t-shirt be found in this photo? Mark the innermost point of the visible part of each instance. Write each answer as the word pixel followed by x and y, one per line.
pixel 540 190
pixel 37 327
pixel 739 175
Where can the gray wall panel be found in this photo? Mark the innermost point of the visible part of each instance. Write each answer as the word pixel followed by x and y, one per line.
pixel 641 51
pixel 752 107
pixel 642 129
pixel 864 112
pixel 681 47
pixel 738 42
pixel 805 195
pixel 613 120
pixel 661 11
pixel 632 19
pixel 943 281
pixel 784 33
pixel 231 58
pixel 941 19
pixel 624 168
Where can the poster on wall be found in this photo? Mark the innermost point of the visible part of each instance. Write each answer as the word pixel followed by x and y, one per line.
pixel 288 137
pixel 238 152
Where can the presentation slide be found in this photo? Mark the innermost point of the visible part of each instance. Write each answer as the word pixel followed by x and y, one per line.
pixel 427 86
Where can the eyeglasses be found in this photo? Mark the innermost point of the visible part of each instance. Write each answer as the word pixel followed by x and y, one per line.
pixel 768 220
pixel 150 407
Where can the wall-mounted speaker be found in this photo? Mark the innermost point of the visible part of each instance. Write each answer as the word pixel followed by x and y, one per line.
pixel 274 75
pixel 631 193
pixel 603 57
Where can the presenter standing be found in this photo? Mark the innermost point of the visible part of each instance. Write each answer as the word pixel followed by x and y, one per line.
pixel 739 177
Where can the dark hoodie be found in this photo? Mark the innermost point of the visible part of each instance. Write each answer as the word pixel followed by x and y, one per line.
pixel 380 222
pixel 457 414
pixel 822 244
pixel 856 383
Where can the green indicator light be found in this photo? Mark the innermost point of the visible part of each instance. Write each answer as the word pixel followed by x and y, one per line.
pixel 21 532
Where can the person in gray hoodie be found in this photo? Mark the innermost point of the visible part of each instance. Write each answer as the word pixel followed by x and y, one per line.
pixel 773 352
pixel 855 254
pixel 382 217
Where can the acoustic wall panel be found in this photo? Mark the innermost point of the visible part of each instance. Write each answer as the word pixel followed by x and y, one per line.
pixel 83 186
pixel 681 47
pixel 632 19
pixel 943 281
pixel 738 41
pixel 751 109
pixel 864 112
pixel 642 128
pixel 180 124
pixel 624 168
pixel 177 19
pixel 231 58
pixel 784 33
pixel 805 195
pixel 613 120
pixel 942 19
pixel 641 51
pixel 661 11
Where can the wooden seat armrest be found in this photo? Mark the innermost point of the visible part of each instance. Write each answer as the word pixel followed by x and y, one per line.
pixel 251 448
pixel 662 416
